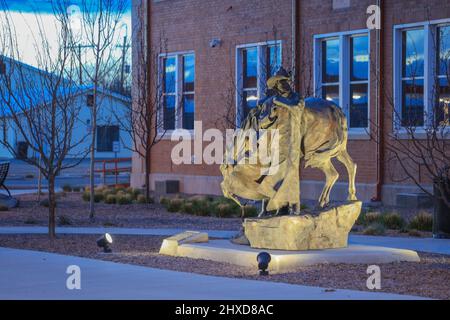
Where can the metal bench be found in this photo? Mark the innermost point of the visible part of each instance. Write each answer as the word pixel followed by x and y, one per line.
pixel 4 168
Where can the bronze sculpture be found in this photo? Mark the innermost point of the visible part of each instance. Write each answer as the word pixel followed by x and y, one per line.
pixel 312 129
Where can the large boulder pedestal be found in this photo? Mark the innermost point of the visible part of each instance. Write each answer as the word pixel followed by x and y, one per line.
pixel 326 229
pixel 289 240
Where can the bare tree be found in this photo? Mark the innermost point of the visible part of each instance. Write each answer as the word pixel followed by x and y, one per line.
pixel 39 104
pixel 418 146
pixel 144 119
pixel 99 33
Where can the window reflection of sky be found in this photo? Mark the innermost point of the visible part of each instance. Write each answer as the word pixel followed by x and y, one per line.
pixel 444 48
pixel 413 53
pixel 360 60
pixel 331 57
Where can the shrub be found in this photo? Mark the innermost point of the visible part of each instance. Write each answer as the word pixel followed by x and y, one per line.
pixel 164 201
pixel 67 188
pixel 30 220
pixel 414 233
pixel 175 205
pixel 86 196
pixel 374 229
pixel 44 203
pixel 393 221
pixel 303 206
pixel 124 199
pixel 423 221
pixel 250 211
pixel 373 217
pixel 110 199
pixel 97 196
pixel 142 199
pixel 4 208
pixel 76 189
pixel 188 207
pixel 223 210
pixel 136 193
pixel 361 218
pixel 64 220
pixel 200 205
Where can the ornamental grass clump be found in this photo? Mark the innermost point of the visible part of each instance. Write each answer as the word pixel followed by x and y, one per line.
pixel 423 221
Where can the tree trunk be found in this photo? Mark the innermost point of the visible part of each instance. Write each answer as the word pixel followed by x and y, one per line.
pixel 92 163
pixel 51 207
pixel 147 175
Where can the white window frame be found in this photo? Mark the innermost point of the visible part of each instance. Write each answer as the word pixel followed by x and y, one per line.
pixel 178 90
pixel 430 28
pixel 261 72
pixel 344 74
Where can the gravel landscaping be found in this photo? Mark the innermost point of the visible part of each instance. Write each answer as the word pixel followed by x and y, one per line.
pixel 73 211
pixel 428 278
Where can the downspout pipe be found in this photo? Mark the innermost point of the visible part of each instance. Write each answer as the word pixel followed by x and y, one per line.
pixel 379 105
pixel 294 42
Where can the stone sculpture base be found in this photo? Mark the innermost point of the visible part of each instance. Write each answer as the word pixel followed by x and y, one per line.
pixel 282 261
pixel 326 229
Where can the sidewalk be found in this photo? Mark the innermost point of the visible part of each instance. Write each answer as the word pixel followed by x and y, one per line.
pixel 37 275
pixel 440 246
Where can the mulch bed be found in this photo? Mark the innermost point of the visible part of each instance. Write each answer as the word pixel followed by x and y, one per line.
pixel 72 207
pixel 428 278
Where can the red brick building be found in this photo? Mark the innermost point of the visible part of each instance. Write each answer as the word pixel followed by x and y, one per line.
pixel 219 54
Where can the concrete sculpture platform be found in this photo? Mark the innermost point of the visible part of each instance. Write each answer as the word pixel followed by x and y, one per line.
pixel 324 229
pixel 285 261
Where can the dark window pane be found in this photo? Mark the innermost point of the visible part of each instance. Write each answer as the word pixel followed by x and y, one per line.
pixel 413 53
pixel 358 106
pixel 106 135
pixel 359 48
pixel 250 100
pixel 330 60
pixel 331 93
pixel 444 51
pixel 169 112
pixel 412 103
pixel 273 62
pixel 2 67
pixel 188 111
pixel 443 104
pixel 90 100
pixel 169 74
pixel 188 73
pixel 250 59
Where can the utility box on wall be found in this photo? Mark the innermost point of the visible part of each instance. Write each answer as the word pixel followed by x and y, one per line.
pixel 167 186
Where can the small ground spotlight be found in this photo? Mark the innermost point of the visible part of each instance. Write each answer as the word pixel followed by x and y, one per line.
pixel 263 260
pixel 104 241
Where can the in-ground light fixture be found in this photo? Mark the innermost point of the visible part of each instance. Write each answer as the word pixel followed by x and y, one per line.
pixel 104 242
pixel 263 260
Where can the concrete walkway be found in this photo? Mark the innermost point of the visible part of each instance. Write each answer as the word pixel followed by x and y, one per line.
pixel 441 246
pixel 37 275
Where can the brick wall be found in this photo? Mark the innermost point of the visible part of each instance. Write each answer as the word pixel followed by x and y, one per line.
pixel 191 24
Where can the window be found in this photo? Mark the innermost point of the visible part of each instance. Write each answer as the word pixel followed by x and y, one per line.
pixel 255 64
pixel 106 135
pixel 90 100
pixel 342 74
pixel 442 116
pixel 412 113
pixel 421 74
pixel 178 92
pixel 2 67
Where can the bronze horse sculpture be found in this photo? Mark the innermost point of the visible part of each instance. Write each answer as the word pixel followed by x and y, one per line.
pixel 312 129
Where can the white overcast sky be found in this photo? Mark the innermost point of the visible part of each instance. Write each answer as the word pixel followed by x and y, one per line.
pixel 23 13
